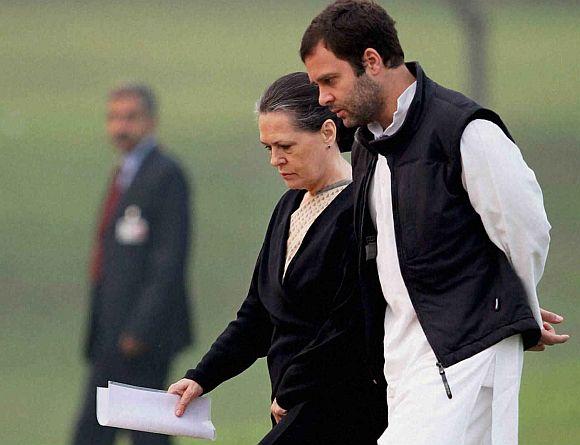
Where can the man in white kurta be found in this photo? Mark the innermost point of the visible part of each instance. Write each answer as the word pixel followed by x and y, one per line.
pixel 484 407
pixel 351 50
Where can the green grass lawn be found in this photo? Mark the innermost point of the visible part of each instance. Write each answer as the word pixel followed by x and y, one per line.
pixel 209 62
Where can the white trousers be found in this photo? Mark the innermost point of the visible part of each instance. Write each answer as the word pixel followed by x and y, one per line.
pixel 482 411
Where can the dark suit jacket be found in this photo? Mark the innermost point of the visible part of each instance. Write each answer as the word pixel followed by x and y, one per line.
pixel 143 288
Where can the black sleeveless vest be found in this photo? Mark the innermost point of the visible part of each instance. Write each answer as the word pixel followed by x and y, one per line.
pixel 465 293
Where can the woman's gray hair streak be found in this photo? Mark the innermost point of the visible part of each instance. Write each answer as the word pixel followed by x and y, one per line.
pixel 142 91
pixel 296 95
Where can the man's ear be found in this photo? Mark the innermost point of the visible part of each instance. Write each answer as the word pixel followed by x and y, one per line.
pixel 372 61
pixel 328 131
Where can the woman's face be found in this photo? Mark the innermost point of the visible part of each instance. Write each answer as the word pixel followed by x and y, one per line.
pixel 301 157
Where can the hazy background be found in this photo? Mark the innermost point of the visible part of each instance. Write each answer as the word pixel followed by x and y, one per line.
pixel 209 61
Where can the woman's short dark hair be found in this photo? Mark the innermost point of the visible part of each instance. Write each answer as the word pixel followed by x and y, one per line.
pixel 348 27
pixel 296 95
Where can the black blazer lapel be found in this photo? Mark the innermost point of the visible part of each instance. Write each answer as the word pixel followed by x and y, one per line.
pixel 280 235
pixel 137 184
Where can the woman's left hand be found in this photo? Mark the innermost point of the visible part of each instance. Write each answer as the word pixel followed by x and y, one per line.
pixel 277 411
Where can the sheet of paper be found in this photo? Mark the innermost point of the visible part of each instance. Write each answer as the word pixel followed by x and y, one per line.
pixel 152 410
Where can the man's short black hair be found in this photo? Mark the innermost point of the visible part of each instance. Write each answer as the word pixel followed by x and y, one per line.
pixel 142 91
pixel 348 28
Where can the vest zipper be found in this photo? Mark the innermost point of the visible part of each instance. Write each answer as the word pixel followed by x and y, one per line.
pixel 365 187
pixel 444 378
pixel 396 223
pixel 403 265
pixel 370 170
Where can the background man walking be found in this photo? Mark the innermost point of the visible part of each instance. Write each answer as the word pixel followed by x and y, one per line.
pixel 139 315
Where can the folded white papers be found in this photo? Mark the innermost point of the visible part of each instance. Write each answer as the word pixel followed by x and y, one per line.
pixel 153 410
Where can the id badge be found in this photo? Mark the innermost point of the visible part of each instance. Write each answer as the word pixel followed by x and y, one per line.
pixel 132 228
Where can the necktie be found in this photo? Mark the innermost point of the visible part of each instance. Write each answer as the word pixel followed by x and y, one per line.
pixel 109 207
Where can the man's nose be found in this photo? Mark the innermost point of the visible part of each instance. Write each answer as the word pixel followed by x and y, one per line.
pixel 325 98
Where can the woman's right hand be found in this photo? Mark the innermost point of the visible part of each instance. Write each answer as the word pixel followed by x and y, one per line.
pixel 188 390
pixel 277 411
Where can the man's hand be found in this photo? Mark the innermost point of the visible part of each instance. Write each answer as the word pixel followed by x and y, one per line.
pixel 277 411
pixel 188 390
pixel 549 336
pixel 131 347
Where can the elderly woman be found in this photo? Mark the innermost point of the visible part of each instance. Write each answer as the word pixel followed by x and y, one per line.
pixel 302 310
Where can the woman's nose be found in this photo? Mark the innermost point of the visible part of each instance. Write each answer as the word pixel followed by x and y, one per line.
pixel 276 159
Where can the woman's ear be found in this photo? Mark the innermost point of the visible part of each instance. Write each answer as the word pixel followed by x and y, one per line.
pixel 328 131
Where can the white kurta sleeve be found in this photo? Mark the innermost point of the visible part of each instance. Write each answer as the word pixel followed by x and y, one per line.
pixel 504 191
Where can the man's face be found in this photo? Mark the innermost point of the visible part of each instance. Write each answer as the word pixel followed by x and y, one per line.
pixel 357 100
pixel 128 122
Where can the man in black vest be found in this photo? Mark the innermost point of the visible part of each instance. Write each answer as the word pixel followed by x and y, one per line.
pixel 452 235
pixel 139 316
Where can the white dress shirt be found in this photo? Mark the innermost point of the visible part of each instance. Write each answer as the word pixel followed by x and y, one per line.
pixel 132 161
pixel 502 189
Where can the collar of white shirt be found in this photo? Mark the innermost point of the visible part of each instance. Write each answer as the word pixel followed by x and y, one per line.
pixel 403 104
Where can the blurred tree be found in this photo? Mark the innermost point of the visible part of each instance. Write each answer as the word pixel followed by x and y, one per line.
pixel 473 19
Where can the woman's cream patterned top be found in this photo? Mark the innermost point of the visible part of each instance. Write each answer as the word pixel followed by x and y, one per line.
pixel 303 217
